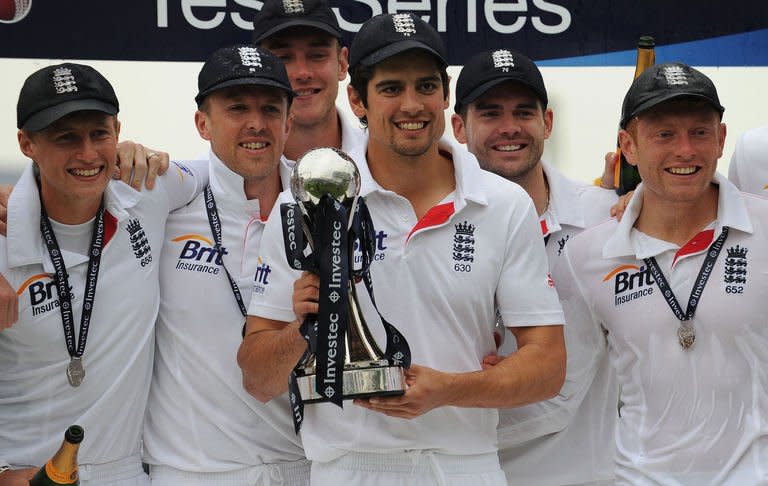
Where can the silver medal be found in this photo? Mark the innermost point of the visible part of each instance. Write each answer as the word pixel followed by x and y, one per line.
pixel 75 371
pixel 686 335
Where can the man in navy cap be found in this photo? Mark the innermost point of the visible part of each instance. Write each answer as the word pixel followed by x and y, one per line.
pixel 77 244
pixel 679 287
pixel 305 35
pixel 502 114
pixel 202 427
pixel 460 242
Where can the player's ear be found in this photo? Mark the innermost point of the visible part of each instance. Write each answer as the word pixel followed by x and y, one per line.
pixel 201 123
pixel 459 129
pixel 628 146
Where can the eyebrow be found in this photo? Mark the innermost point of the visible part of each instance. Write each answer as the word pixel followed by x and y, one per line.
pixel 391 82
pixel 388 82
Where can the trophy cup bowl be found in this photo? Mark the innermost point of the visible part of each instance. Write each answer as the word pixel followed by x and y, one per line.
pixel 367 372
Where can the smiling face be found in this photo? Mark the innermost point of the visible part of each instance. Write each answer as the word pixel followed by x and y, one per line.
pixel 405 105
pixel 675 146
pixel 505 129
pixel 76 156
pixel 315 63
pixel 247 127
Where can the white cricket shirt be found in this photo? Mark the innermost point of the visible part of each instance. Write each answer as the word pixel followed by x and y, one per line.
pixel 569 438
pixel 749 163
pixel 696 416
pixel 199 417
pixel 440 294
pixel 37 403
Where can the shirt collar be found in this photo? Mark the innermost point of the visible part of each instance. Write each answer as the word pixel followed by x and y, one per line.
pixel 565 206
pixel 228 185
pixel 626 241
pixel 25 243
pixel 470 183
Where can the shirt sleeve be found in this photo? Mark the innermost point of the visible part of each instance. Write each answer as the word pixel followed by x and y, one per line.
pixel 273 299
pixel 526 294
pixel 184 181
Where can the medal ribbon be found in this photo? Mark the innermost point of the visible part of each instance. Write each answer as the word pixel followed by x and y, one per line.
pixel 698 287
pixel 75 349
pixel 215 223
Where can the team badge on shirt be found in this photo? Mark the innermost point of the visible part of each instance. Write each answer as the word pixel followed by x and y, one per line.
pixel 139 243
pixel 561 244
pixel 735 275
pixel 464 247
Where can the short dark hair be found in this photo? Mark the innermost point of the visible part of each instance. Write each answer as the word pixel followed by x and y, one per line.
pixel 361 75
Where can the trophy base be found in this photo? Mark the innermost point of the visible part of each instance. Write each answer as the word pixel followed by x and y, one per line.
pixel 361 380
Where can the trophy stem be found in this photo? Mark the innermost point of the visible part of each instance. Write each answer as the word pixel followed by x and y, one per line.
pixel 361 345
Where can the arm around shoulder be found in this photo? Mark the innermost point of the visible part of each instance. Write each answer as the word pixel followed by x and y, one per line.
pixel 267 355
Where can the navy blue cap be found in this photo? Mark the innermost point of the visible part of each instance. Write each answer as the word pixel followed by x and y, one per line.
pixel 278 15
pixel 663 82
pixel 386 35
pixel 487 69
pixel 242 65
pixel 56 91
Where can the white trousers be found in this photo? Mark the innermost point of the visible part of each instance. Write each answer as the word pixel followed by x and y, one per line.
pixel 123 472
pixel 277 474
pixel 412 468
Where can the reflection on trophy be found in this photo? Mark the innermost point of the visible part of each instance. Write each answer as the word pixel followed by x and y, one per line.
pixel 343 360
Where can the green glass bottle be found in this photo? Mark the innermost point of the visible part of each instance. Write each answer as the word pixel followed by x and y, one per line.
pixel 626 176
pixel 62 467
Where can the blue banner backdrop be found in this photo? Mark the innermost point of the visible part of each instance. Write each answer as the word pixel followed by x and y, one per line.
pixel 555 32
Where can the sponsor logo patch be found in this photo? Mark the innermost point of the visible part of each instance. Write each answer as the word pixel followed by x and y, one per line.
pixel 199 255
pixel 630 282
pixel 379 254
pixel 43 294
pixel 261 278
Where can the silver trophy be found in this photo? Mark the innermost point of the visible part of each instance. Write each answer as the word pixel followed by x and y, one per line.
pixel 367 371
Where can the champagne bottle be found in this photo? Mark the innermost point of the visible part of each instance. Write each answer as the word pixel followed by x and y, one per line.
pixel 62 467
pixel 626 177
